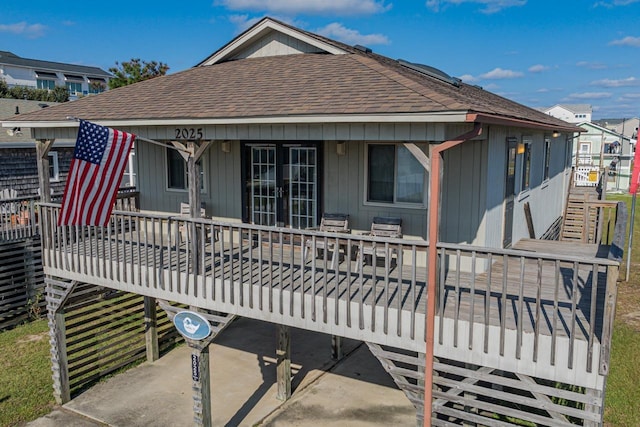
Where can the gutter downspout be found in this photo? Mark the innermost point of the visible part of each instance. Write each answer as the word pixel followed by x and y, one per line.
pixel 432 259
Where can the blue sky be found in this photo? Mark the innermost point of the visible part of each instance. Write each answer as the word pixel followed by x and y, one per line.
pixel 537 52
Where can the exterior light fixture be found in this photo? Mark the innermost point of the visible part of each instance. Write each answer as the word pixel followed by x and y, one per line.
pixel 341 148
pixel 226 146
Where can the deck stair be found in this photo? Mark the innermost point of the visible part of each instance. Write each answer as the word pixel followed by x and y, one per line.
pixel 407 370
pixel 579 222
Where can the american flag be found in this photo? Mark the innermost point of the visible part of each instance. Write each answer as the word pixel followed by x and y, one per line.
pixel 96 169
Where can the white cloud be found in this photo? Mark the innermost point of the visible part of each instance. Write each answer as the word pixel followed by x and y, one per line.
pixel 613 3
pixel 630 81
pixel 538 68
pixel 499 73
pixel 22 28
pixel 242 22
pixel 630 97
pixel 589 95
pixel 468 78
pixel 626 41
pixel 315 7
pixel 352 37
pixel 489 6
pixel 591 65
pixel 543 90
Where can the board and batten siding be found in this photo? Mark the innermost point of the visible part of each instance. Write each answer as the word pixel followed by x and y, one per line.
pixel 344 192
pixel 546 198
pixel 274 44
pixel 222 194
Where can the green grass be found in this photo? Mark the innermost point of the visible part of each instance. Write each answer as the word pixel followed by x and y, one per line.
pixel 622 400
pixel 26 390
pixel 622 406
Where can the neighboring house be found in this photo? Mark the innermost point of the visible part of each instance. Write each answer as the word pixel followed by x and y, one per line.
pixel 572 113
pixel 601 148
pixel 280 126
pixel 35 73
pixel 18 166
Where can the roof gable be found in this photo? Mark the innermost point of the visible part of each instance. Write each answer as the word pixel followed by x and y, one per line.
pixel 271 38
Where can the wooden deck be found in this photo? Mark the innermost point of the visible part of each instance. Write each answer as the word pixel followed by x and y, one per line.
pixel 534 309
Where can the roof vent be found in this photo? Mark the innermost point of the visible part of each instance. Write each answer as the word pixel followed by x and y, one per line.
pixel 362 48
pixel 431 72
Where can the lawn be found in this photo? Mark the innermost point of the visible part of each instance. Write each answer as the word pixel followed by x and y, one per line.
pixel 26 390
pixel 622 405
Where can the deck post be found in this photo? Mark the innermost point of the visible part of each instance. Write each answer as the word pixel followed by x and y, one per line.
pixel 42 159
pixel 420 383
pixel 151 329
pixel 337 351
pixel 595 409
pixel 283 362
pixel 57 294
pixel 59 361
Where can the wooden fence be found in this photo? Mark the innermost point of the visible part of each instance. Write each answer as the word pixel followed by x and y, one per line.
pixel 21 282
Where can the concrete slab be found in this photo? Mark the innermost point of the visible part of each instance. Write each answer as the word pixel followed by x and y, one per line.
pixel 355 392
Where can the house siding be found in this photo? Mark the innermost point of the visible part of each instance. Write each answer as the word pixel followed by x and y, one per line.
pixel 19 169
pixel 276 43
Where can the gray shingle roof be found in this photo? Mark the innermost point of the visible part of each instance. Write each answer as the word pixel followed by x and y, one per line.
pixel 9 58
pixel 356 83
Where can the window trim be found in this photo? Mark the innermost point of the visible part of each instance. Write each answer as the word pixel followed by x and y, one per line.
pixel 53 162
pixel 525 165
pixel 546 165
pixel 394 204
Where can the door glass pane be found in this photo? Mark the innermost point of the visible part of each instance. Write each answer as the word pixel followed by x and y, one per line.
pixel 299 179
pixel 410 178
pixel 263 185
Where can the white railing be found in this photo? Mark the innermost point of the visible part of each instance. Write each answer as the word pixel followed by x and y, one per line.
pixel 586 176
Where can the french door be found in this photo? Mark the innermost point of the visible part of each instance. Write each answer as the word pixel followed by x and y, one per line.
pixel 281 184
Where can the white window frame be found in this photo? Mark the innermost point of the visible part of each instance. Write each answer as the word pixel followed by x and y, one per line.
pixel 394 203
pixel 54 166
pixel 524 170
pixel 130 169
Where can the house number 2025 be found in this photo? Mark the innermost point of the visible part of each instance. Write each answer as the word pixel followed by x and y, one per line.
pixel 189 133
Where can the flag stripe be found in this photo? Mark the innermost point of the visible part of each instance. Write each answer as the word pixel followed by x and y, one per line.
pixel 100 157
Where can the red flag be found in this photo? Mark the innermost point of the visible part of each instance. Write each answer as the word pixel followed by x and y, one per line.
pixel 98 162
pixel 635 175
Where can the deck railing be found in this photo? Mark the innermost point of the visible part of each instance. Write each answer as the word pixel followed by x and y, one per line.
pixel 245 268
pixel 18 218
pixel 261 272
pixel 527 292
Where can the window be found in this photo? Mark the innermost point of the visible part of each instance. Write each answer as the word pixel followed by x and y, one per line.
pixel 547 158
pixel 45 84
pixel 74 88
pixel 394 175
pixel 526 166
pixel 177 171
pixel 54 171
pixel 129 175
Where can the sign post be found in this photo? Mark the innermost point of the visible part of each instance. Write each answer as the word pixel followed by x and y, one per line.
pixel 196 329
pixel 633 189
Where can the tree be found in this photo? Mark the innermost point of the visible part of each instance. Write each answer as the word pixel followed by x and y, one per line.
pixel 133 71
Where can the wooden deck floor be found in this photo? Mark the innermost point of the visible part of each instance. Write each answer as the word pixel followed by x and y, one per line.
pixel 509 300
